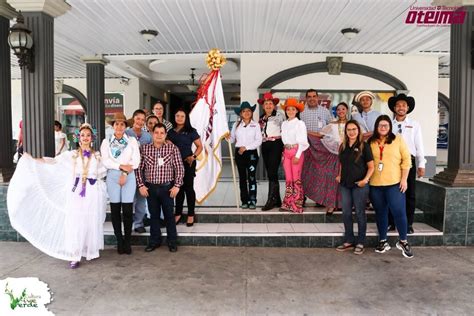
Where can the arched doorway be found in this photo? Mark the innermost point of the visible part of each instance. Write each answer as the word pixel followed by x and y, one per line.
pixel 271 82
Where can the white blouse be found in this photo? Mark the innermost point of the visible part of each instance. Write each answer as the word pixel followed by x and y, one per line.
pixel 248 136
pixel 293 132
pixel 130 155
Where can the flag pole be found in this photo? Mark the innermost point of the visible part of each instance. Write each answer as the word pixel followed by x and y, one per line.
pixel 233 173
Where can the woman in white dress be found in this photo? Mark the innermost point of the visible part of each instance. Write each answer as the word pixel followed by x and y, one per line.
pixel 59 139
pixel 58 204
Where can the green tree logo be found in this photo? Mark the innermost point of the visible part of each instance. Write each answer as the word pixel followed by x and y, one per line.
pixel 14 301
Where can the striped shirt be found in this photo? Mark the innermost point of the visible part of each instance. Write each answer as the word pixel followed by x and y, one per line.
pixel 315 118
pixel 160 165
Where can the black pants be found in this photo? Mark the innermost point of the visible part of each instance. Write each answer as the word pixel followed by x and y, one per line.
pixel 187 189
pixel 119 212
pixel 247 167
pixel 271 154
pixel 410 195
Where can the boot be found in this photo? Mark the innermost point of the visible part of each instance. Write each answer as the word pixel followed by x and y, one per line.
pixel 127 209
pixel 276 194
pixel 270 200
pixel 115 211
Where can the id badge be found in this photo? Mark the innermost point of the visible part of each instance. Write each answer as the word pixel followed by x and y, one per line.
pixel 320 124
pixel 161 162
pixel 380 166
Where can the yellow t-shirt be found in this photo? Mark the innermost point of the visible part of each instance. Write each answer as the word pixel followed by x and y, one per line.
pixel 396 157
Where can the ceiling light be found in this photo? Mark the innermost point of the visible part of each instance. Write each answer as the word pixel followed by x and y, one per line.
pixel 192 86
pixel 350 32
pixel 149 34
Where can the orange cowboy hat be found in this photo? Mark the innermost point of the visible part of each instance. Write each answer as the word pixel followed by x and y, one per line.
pixel 293 102
pixel 268 96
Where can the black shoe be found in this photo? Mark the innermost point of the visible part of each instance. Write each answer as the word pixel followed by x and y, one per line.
pixel 127 248
pixel 146 221
pixel 410 230
pixel 150 248
pixel 140 230
pixel 405 248
pixel 188 224
pixel 391 228
pixel 120 248
pixel 173 248
pixel 382 247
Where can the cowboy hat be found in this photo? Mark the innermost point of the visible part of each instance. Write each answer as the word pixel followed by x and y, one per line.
pixel 364 94
pixel 118 117
pixel 392 101
pixel 268 96
pixel 245 105
pixel 293 102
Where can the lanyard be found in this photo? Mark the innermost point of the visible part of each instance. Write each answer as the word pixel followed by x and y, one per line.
pixel 381 148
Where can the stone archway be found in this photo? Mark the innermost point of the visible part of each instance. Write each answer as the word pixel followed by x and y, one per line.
pixel 76 94
pixel 318 67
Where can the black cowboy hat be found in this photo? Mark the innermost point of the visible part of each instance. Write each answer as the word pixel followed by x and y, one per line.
pixel 244 105
pixel 402 96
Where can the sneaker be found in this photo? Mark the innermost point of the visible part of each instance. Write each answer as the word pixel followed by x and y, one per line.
pixel 244 206
pixel 405 248
pixel 252 205
pixel 411 230
pixel 382 247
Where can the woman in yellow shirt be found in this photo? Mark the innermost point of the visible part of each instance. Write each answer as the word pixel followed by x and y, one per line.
pixel 388 183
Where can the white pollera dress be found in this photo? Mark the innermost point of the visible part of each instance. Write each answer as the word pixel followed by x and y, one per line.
pixel 54 217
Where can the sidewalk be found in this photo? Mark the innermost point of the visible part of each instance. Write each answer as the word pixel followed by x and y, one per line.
pixel 252 281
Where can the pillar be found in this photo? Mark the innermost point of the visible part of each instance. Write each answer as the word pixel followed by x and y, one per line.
pixel 96 95
pixel 460 170
pixel 6 137
pixel 37 88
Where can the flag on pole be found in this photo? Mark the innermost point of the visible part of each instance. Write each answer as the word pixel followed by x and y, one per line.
pixel 209 118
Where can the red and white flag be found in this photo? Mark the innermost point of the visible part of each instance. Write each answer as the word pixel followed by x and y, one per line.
pixel 209 118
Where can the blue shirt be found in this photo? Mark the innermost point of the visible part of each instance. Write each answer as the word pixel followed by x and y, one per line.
pixel 366 119
pixel 145 137
pixel 184 141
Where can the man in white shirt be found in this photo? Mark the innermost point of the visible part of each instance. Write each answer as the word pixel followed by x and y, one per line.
pixel 367 118
pixel 410 130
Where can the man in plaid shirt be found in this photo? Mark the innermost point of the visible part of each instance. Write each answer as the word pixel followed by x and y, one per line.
pixel 159 177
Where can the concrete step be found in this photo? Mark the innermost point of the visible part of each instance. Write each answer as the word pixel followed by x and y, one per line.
pixel 277 235
pixel 310 215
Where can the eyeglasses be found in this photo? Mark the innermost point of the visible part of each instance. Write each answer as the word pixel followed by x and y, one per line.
pixel 399 128
pixel 384 126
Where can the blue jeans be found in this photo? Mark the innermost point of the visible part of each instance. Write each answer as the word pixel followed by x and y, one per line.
pixel 159 199
pixel 117 193
pixel 388 197
pixel 356 197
